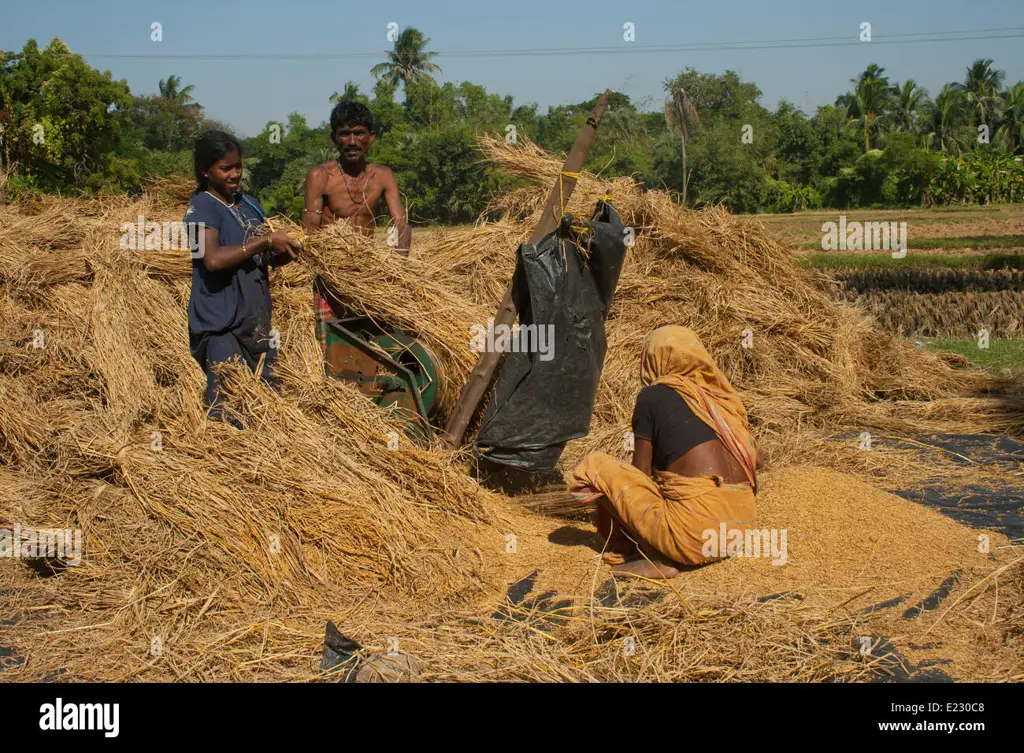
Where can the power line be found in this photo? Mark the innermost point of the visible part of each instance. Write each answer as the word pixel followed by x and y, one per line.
pixel 927 37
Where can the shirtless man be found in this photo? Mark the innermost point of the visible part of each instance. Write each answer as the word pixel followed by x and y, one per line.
pixel 349 188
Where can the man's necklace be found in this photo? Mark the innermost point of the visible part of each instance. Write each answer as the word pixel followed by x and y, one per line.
pixel 366 182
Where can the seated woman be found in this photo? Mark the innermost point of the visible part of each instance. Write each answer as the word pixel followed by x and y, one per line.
pixel 694 464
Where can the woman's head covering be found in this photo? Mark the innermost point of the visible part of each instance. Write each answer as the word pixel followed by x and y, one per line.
pixel 674 356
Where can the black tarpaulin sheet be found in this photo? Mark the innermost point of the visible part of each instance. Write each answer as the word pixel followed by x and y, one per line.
pixel 545 391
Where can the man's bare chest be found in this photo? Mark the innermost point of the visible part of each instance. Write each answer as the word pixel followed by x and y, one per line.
pixel 346 195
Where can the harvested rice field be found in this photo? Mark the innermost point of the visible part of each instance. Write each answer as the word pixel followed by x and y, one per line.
pixel 1002 223
pixel 217 553
pixel 960 274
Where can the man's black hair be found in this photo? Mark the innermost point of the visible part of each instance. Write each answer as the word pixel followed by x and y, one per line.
pixel 351 113
pixel 210 147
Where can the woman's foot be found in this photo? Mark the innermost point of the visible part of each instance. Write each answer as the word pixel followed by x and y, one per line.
pixel 655 569
pixel 615 544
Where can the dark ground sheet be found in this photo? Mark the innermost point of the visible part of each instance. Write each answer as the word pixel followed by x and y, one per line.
pixel 995 500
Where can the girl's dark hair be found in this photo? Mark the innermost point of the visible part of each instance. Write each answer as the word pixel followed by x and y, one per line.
pixel 210 147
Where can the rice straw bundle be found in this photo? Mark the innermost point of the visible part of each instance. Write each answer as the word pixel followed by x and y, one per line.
pixel 562 503
pixel 375 281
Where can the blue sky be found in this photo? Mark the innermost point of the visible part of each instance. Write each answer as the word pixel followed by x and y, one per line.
pixel 246 93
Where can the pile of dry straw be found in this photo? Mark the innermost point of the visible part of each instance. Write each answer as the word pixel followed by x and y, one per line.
pixel 218 553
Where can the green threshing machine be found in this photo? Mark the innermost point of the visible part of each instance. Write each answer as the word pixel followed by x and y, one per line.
pixel 395 370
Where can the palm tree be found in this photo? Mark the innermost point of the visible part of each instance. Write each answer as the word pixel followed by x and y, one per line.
pixel 1010 131
pixel 867 104
pixel 981 88
pixel 170 89
pixel 680 116
pixel 408 62
pixel 946 117
pixel 904 106
pixel 351 92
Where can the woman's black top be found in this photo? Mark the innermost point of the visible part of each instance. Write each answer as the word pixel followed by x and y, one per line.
pixel 663 418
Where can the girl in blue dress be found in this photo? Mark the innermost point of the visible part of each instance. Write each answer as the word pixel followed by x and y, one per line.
pixel 229 307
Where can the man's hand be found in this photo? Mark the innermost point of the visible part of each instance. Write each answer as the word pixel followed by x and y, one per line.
pixel 398 215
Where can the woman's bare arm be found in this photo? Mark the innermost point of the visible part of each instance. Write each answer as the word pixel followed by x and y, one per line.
pixel 643 455
pixel 217 258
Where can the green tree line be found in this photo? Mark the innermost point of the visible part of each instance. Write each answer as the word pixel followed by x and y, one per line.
pixel 68 128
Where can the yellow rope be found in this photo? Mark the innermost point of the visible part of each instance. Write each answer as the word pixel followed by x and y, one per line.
pixel 578 229
pixel 607 196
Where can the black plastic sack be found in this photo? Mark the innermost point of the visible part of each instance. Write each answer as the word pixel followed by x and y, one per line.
pixel 339 654
pixel 545 391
